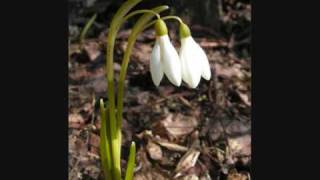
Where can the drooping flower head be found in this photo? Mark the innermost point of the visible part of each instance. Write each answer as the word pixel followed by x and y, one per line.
pixel 194 61
pixel 164 57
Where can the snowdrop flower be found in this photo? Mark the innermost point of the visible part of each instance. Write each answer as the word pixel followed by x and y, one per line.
pixel 194 61
pixel 164 57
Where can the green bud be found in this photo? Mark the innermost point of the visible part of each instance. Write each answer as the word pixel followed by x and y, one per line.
pixel 184 31
pixel 161 28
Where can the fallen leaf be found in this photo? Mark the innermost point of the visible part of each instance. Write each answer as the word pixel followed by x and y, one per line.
pixel 94 140
pixel 150 174
pixel 216 130
pixel 143 97
pixel 123 34
pixel 142 52
pixel 244 97
pixel 172 146
pixel 237 128
pixel 191 177
pixel 154 150
pixel 75 121
pixel 240 146
pixel 185 102
pixel 179 125
pixel 237 176
pixel 207 43
pixel 229 72
pixel 187 161
pixel 93 50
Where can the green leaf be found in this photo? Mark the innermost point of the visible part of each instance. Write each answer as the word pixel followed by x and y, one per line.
pixel 131 162
pixel 87 27
pixel 138 27
pixel 105 152
pixel 115 138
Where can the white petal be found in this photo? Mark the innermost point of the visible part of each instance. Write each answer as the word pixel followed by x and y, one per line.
pixel 155 64
pixel 191 66
pixel 206 71
pixel 170 60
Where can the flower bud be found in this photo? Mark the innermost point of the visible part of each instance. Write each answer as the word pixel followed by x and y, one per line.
pixel 161 28
pixel 184 31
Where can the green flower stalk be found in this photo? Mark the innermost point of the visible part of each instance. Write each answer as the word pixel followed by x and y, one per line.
pixel 111 120
pixel 139 27
pixel 164 60
pixel 115 130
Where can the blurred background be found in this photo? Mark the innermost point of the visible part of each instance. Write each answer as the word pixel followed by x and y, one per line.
pixel 181 133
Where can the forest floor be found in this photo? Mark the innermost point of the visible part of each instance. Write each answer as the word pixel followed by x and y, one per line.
pixel 182 133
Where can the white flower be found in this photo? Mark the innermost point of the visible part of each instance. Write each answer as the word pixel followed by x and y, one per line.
pixel 155 64
pixel 165 60
pixel 194 61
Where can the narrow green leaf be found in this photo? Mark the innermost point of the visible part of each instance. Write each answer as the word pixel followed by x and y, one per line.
pixel 105 144
pixel 113 29
pixel 131 162
pixel 138 27
pixel 87 27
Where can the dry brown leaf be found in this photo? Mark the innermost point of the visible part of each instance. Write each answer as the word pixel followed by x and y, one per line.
pixel 92 170
pixel 237 176
pixel 240 146
pixel 147 35
pixel 72 143
pixel 207 43
pixel 185 101
pixel 88 107
pixel 172 146
pixel 237 127
pixel 166 91
pixel 206 176
pixel 143 97
pixel 179 125
pixel 93 50
pixel 187 161
pixel 191 177
pixel 145 134
pixel 75 121
pixel 150 174
pixel 124 34
pixel 142 52
pixel 228 72
pixel 79 74
pixel 154 150
pixel 244 97
pixel 94 140
pixel 74 48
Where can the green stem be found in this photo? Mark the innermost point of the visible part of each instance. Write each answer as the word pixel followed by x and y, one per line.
pixel 140 12
pixel 172 17
pixel 114 27
pixel 105 142
pixel 87 27
pixel 139 27
pixel 163 18
pixel 131 162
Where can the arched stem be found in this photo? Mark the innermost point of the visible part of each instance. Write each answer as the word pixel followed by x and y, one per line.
pixel 163 18
pixel 148 14
pixel 139 27
pixel 141 11
pixel 172 17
